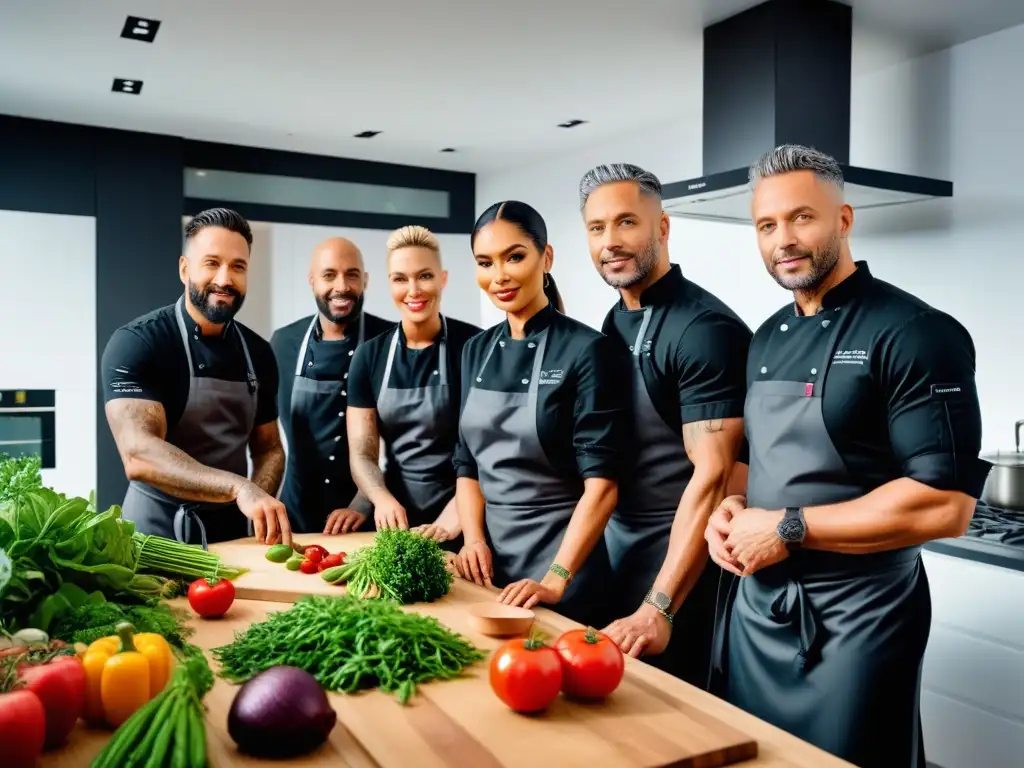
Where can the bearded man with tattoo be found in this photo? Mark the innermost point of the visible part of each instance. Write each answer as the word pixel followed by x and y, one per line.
pixel 191 397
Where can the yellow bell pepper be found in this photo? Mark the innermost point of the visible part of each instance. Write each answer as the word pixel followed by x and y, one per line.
pixel 123 672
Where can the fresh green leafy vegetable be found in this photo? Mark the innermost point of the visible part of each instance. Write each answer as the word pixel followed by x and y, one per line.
pixel 400 566
pixel 92 620
pixel 350 644
pixel 19 475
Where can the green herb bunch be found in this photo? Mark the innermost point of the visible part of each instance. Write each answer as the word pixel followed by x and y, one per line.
pixel 350 644
pixel 401 566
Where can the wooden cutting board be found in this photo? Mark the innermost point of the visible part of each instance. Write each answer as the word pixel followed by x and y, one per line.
pixel 462 723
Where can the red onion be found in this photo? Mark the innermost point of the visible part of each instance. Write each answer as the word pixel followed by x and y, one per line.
pixel 281 712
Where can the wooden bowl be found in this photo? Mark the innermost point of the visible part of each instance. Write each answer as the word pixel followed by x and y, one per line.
pixel 497 620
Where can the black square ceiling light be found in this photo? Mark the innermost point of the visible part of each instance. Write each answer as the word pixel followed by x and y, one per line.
pixel 136 28
pixel 366 134
pixel 121 85
pixel 571 123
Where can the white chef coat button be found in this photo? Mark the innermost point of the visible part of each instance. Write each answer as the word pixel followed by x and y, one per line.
pixel 531 345
pixel 346 375
pixel 351 352
pixel 478 378
pixel 330 458
pixel 309 364
pixel 501 343
pixel 526 381
pixel 344 393
pixel 784 327
pixel 195 336
pixel 202 366
pixel 763 369
pixel 630 347
pixel 341 414
pixel 813 371
pixel 337 438
pixel 435 373
pixel 327 480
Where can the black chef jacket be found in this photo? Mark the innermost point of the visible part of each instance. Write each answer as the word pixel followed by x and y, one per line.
pixel 331 361
pixel 411 368
pixel 698 351
pixel 899 396
pixel 580 413
pixel 145 359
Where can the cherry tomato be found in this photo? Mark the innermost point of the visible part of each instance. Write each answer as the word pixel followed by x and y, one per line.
pixel 211 601
pixel 592 665
pixel 308 566
pixel 316 553
pixel 22 728
pixel 526 674
pixel 329 562
pixel 60 686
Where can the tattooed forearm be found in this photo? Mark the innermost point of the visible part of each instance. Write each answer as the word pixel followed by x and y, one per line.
pixel 695 431
pixel 364 452
pixel 139 428
pixel 267 457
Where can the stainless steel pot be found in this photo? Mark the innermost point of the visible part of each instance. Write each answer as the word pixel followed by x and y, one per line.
pixel 1005 485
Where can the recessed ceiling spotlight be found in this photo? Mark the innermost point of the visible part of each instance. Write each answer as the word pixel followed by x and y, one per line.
pixel 140 29
pixel 127 86
pixel 571 123
pixel 448 149
pixel 366 134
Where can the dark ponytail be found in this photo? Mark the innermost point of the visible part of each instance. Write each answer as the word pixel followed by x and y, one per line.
pixel 531 224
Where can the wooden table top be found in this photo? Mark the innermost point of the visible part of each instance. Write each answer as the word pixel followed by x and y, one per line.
pixel 461 722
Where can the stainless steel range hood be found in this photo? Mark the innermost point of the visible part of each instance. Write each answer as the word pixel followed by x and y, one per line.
pixel 779 73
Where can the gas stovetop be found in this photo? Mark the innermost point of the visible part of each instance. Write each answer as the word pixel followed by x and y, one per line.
pixel 990 523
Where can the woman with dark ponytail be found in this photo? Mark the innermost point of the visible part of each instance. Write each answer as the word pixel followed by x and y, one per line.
pixel 540 431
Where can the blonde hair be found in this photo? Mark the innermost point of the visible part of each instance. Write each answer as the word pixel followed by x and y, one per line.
pixel 413 236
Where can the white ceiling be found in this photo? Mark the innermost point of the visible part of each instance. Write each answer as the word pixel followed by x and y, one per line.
pixel 491 79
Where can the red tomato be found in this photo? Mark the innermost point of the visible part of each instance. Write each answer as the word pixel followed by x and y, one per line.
pixel 328 562
pixel 22 728
pixel 315 552
pixel 211 601
pixel 308 566
pixel 592 665
pixel 60 686
pixel 526 675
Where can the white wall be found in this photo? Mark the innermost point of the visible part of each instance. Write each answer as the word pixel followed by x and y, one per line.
pixel 279 291
pixel 950 115
pixel 48 313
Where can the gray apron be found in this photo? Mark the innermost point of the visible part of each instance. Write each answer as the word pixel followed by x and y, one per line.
pixel 414 422
pixel 214 429
pixel 317 478
pixel 824 645
pixel 528 503
pixel 638 532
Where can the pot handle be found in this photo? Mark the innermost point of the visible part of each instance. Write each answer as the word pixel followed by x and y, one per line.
pixel 1016 433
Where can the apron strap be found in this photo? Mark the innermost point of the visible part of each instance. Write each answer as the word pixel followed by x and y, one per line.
pixel 304 346
pixel 179 308
pixel 442 358
pixel 643 330
pixel 183 519
pixel 250 370
pixel 388 365
pixel 443 352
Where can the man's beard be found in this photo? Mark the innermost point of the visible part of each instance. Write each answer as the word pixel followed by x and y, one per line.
pixel 822 264
pixel 644 262
pixel 215 313
pixel 323 303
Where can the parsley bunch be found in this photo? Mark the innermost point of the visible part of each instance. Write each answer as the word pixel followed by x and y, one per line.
pixel 401 566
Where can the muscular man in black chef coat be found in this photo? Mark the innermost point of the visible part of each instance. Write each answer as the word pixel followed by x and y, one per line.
pixel 864 430
pixel 687 353
pixel 190 392
pixel 313 357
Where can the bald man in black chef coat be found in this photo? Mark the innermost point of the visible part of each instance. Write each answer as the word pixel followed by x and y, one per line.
pixel 313 357
pixel 864 430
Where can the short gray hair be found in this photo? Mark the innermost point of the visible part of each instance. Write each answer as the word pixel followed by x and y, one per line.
pixel 609 174
pixel 795 157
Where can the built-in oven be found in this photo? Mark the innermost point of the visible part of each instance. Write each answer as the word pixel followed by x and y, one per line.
pixel 28 424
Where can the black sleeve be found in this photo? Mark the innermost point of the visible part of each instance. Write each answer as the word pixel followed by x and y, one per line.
pixel 360 377
pixel 465 464
pixel 599 415
pixel 265 365
pixel 712 363
pixel 132 368
pixel 928 370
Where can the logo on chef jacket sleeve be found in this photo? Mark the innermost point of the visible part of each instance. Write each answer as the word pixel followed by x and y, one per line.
pixel 553 376
pixel 946 391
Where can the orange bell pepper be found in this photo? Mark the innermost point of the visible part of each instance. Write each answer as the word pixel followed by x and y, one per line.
pixel 123 672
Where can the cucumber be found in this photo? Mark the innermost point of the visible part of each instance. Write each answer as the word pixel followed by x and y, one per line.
pixel 334 574
pixel 279 553
pixel 293 563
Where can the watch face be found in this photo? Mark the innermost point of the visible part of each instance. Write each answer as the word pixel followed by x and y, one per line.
pixel 661 601
pixel 791 529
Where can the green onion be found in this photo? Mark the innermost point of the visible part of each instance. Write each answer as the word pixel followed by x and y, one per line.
pixel 156 553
